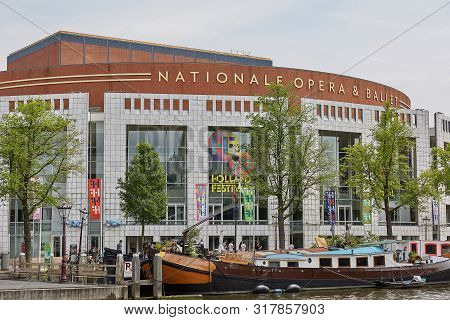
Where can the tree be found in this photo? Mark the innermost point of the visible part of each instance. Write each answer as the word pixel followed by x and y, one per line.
pixel 38 150
pixel 442 165
pixel 290 162
pixel 143 195
pixel 380 169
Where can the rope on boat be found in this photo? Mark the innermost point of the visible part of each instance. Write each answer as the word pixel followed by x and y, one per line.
pixel 310 280
pixel 179 270
pixel 348 277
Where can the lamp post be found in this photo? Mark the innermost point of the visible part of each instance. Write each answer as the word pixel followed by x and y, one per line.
pixel 425 221
pixel 64 212
pixel 84 213
pixel 236 158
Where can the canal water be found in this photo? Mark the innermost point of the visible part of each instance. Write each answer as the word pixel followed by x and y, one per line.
pixel 431 292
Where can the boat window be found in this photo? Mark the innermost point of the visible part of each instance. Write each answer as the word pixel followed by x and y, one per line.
pixel 378 261
pixel 344 262
pixel 292 264
pixel 309 260
pixel 430 248
pixel 274 264
pixel 325 262
pixel 362 262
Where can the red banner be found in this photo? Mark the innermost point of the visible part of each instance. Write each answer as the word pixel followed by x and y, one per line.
pixel 95 198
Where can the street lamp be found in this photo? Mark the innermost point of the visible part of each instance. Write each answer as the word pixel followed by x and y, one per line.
pixel 425 221
pixel 64 212
pixel 84 213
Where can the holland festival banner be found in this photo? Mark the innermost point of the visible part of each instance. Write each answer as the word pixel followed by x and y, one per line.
pixel 248 202
pixel 435 212
pixel 200 195
pixel 366 212
pixel 330 199
pixel 95 199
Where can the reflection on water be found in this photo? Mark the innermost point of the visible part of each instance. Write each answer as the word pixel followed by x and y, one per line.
pixel 431 292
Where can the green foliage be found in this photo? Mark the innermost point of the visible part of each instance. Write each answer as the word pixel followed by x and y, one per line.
pixel 38 150
pixel 164 246
pixel 348 240
pixel 370 237
pixel 380 169
pixel 143 195
pixel 192 237
pixel 290 162
pixel 412 257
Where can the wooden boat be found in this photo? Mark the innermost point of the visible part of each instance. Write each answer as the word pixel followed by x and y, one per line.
pixel 363 267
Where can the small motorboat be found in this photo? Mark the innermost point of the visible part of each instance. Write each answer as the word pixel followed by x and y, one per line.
pixel 415 282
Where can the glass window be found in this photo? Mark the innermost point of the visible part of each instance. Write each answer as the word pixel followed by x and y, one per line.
pixel 344 262
pixel 292 264
pixel 170 143
pixel 12 210
pixel 325 262
pixel 362 262
pixel 171 213
pixel 430 248
pixel 180 213
pixel 378 261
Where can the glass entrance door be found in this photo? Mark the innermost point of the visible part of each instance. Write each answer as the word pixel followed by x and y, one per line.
pixel 344 214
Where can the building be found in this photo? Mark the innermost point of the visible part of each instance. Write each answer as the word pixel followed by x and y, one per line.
pixel 186 103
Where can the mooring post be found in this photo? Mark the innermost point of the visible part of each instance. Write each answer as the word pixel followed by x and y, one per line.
pixel 119 269
pixel 81 268
pixel 136 277
pixel 157 276
pixel 22 260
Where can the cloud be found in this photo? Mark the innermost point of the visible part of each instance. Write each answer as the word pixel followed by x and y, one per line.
pixel 318 35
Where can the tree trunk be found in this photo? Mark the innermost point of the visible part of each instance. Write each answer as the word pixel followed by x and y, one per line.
pixel 281 231
pixel 142 239
pixel 26 231
pixel 388 212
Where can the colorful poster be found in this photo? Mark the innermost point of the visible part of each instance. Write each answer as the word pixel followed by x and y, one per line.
pixel 366 212
pixel 200 195
pixel 37 214
pixel 248 203
pixel 435 212
pixel 95 199
pixel 330 199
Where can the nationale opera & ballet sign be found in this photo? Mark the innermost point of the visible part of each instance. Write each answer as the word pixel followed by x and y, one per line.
pixel 334 86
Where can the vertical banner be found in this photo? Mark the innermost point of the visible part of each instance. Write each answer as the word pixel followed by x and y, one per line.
pixel 95 199
pixel 200 195
pixel 366 212
pixel 330 199
pixel 37 215
pixel 435 212
pixel 248 202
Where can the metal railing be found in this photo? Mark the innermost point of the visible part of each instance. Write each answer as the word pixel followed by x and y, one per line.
pixel 51 272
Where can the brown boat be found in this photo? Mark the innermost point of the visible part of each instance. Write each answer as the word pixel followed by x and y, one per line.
pixel 278 271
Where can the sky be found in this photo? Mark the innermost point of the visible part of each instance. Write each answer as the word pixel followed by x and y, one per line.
pixel 321 35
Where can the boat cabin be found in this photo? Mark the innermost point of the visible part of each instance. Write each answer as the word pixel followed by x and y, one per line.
pixel 367 257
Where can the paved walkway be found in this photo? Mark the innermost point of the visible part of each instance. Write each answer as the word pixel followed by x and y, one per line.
pixel 23 284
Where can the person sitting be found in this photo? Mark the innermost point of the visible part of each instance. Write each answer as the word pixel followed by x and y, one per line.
pixel 242 246
pixel 291 247
pixel 230 247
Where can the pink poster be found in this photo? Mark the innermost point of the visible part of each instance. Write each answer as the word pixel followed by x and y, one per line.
pixel 37 214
